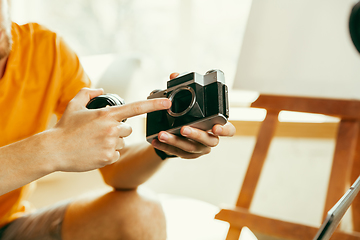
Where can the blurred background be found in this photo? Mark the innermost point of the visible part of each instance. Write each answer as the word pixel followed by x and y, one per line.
pixel 168 35
pixel 130 47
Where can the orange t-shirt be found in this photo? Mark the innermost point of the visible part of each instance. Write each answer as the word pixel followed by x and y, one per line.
pixel 42 75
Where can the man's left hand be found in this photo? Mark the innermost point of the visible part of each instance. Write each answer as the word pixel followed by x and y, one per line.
pixel 193 142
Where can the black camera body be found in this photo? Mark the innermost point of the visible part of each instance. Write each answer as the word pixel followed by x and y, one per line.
pixel 199 101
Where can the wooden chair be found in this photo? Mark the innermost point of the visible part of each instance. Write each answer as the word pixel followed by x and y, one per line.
pixel 345 168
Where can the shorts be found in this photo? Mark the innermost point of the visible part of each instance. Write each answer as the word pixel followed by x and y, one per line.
pixel 43 224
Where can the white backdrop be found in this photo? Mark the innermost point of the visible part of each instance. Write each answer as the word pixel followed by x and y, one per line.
pixel 299 47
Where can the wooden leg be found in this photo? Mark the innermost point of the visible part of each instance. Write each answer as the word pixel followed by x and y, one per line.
pixel 257 160
pixel 355 172
pixel 233 234
pixel 342 162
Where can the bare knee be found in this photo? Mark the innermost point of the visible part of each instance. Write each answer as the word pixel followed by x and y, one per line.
pixel 138 214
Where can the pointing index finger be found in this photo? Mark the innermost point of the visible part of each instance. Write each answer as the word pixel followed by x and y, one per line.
pixel 138 108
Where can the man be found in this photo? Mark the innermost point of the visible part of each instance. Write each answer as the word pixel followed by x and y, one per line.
pixel 40 76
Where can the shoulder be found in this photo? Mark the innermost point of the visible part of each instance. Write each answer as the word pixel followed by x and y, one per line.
pixel 37 39
pixel 35 36
pixel 33 30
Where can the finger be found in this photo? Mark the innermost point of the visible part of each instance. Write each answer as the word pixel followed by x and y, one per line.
pixel 174 75
pixel 228 130
pixel 114 157
pixel 85 95
pixel 201 136
pixel 171 150
pixel 120 144
pixel 138 108
pixel 182 143
pixel 124 130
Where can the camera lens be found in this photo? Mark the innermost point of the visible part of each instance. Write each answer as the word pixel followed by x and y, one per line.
pixel 105 100
pixel 183 99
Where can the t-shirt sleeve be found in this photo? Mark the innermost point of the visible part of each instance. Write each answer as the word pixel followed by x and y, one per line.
pixel 73 76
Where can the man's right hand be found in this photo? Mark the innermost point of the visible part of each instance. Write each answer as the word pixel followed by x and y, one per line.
pixel 87 139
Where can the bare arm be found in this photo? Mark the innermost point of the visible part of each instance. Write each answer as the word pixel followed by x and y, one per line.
pixel 24 161
pixel 137 164
pixel 82 140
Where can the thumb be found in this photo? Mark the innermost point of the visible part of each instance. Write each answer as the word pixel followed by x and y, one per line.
pixel 84 96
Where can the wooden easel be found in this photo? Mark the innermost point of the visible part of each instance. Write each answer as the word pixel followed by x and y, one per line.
pixel 345 168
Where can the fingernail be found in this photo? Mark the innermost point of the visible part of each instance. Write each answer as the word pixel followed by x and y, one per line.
pixel 166 103
pixel 163 137
pixel 218 131
pixel 186 131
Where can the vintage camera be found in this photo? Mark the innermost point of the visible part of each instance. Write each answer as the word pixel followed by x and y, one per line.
pixel 104 100
pixel 199 101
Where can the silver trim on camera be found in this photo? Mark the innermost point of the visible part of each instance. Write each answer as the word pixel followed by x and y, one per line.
pixel 172 95
pixel 118 100
pixel 203 124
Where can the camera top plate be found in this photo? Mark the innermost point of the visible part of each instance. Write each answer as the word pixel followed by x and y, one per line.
pixel 193 77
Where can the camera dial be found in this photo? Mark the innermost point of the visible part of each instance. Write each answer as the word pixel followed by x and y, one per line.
pixel 213 70
pixel 182 99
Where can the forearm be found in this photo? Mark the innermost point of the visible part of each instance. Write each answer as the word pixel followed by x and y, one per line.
pixel 136 165
pixel 24 161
